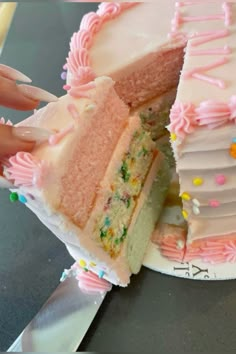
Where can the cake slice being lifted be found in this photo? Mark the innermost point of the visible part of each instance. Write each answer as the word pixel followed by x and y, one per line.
pixel 98 183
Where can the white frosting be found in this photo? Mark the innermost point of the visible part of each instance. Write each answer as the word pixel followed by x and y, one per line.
pixel 205 153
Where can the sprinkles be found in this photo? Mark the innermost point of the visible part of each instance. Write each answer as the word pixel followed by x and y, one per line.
pixel 82 263
pixel 63 75
pixel 14 197
pixel 214 203
pixel 22 199
pixel 220 180
pixel 232 150
pixel 185 196
pixel 185 214
pixel 101 274
pixel 197 181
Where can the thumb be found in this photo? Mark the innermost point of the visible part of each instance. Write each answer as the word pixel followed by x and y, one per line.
pixel 11 142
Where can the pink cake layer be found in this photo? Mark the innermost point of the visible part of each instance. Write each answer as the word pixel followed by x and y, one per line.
pixel 82 157
pixel 156 74
pixel 90 158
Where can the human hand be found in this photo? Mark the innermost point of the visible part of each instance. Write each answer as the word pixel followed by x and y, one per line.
pixel 21 97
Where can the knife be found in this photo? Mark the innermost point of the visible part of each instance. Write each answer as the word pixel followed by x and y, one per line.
pixel 62 322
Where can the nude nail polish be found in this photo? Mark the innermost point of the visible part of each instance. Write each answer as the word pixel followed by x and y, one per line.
pixel 31 134
pixel 36 93
pixel 13 74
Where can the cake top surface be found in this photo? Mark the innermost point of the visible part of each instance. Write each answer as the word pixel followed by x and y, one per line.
pixel 118 36
pixel 140 25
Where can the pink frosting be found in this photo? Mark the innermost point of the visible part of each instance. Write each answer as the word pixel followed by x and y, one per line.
pixel 182 119
pixel 180 19
pixel 213 251
pixel 78 58
pixel 91 22
pixel 26 170
pixel 109 10
pixel 78 62
pixel 227 8
pixel 91 283
pixel 208 36
pixel 82 39
pixel 73 111
pixel 169 249
pixel 214 114
pixel 199 73
pixel 56 138
pixel 171 241
pixel 81 91
pixel 4 122
pixel 82 76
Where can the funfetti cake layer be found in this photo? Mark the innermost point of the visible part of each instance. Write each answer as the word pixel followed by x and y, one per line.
pixel 91 180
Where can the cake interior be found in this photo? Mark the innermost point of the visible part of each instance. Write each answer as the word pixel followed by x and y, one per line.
pixel 112 224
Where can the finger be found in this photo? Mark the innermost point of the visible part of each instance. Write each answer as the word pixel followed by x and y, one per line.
pixel 11 144
pixel 12 97
pixel 13 74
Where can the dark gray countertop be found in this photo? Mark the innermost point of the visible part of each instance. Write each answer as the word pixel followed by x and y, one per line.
pixel 156 312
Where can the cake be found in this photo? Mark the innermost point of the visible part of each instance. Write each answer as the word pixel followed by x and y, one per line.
pixel 98 182
pixel 151 50
pixel 129 65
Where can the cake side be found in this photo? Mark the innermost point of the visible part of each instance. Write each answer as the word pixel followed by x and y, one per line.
pixel 203 132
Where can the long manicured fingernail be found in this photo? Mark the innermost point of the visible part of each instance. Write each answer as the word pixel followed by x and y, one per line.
pixel 13 74
pixel 31 134
pixel 36 93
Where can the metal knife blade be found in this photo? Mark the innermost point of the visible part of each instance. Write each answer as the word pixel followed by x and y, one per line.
pixel 62 322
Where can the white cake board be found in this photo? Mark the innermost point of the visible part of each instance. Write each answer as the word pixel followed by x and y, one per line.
pixel 195 269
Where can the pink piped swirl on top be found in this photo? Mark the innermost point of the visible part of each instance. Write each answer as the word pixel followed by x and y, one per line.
pixel 4 122
pixel 82 76
pixel 91 22
pixel 109 10
pixel 214 114
pixel 81 39
pixel 79 58
pixel 91 283
pixel 25 170
pixel 78 62
pixel 182 119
